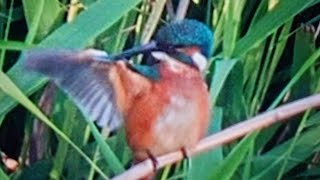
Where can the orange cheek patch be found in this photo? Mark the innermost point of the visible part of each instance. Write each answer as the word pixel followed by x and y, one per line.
pixel 190 50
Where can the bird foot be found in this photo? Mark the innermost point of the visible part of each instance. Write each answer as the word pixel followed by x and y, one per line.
pixel 186 157
pixel 184 153
pixel 153 160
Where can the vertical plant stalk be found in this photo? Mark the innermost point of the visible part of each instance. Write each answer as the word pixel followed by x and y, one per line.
pixel 279 48
pixel 34 25
pixel 317 32
pixel 39 135
pixel 286 157
pixel 61 153
pixel 209 12
pixel 315 160
pixel 6 34
pixel 170 10
pixel 37 141
pixel 152 21
pixel 262 82
pixel 272 4
pixel 75 6
pixel 95 159
pixel 182 9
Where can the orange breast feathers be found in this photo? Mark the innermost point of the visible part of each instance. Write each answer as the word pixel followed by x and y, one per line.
pixel 164 115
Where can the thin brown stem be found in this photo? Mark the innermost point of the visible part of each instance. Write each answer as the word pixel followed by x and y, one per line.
pixel 38 138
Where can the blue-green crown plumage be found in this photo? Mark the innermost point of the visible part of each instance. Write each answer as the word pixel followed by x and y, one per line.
pixel 187 33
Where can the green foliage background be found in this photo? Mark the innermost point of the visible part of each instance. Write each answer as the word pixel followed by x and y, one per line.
pixel 263 57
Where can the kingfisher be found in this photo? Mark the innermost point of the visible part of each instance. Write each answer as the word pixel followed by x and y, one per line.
pixel 163 106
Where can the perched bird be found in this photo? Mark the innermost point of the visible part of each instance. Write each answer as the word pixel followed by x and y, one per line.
pixel 163 107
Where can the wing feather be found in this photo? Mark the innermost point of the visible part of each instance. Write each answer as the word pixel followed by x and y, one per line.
pixel 89 87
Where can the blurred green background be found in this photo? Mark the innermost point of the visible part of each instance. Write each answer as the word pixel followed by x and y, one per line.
pixel 266 54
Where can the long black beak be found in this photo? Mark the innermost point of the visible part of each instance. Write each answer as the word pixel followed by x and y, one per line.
pixel 127 54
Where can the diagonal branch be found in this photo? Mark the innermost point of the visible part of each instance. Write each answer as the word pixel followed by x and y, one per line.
pixel 225 136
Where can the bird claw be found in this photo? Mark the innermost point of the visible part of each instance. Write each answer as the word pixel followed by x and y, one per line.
pixel 153 160
pixel 186 157
pixel 184 153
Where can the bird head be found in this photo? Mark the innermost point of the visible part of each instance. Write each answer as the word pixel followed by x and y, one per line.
pixel 188 41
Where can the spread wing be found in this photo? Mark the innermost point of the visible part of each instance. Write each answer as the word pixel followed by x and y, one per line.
pixel 77 74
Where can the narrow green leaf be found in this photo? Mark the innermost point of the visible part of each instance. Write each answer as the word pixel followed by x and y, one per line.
pixel 88 25
pixel 14 45
pixel 3 175
pixel 313 120
pixel 106 151
pixel 1 120
pixel 95 159
pixel 232 22
pixel 251 70
pixel 310 173
pixel 222 70
pixel 6 34
pixel 38 170
pixel 288 152
pixel 41 16
pixel 17 14
pixel 304 46
pixel 231 96
pixel 33 17
pixel 259 12
pixel 308 63
pixel 69 113
pixel 228 167
pixel 248 162
pixel 117 34
pixel 199 167
pixel 279 48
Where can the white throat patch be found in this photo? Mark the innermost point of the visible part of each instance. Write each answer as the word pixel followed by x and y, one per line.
pixel 162 56
pixel 174 63
pixel 200 61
